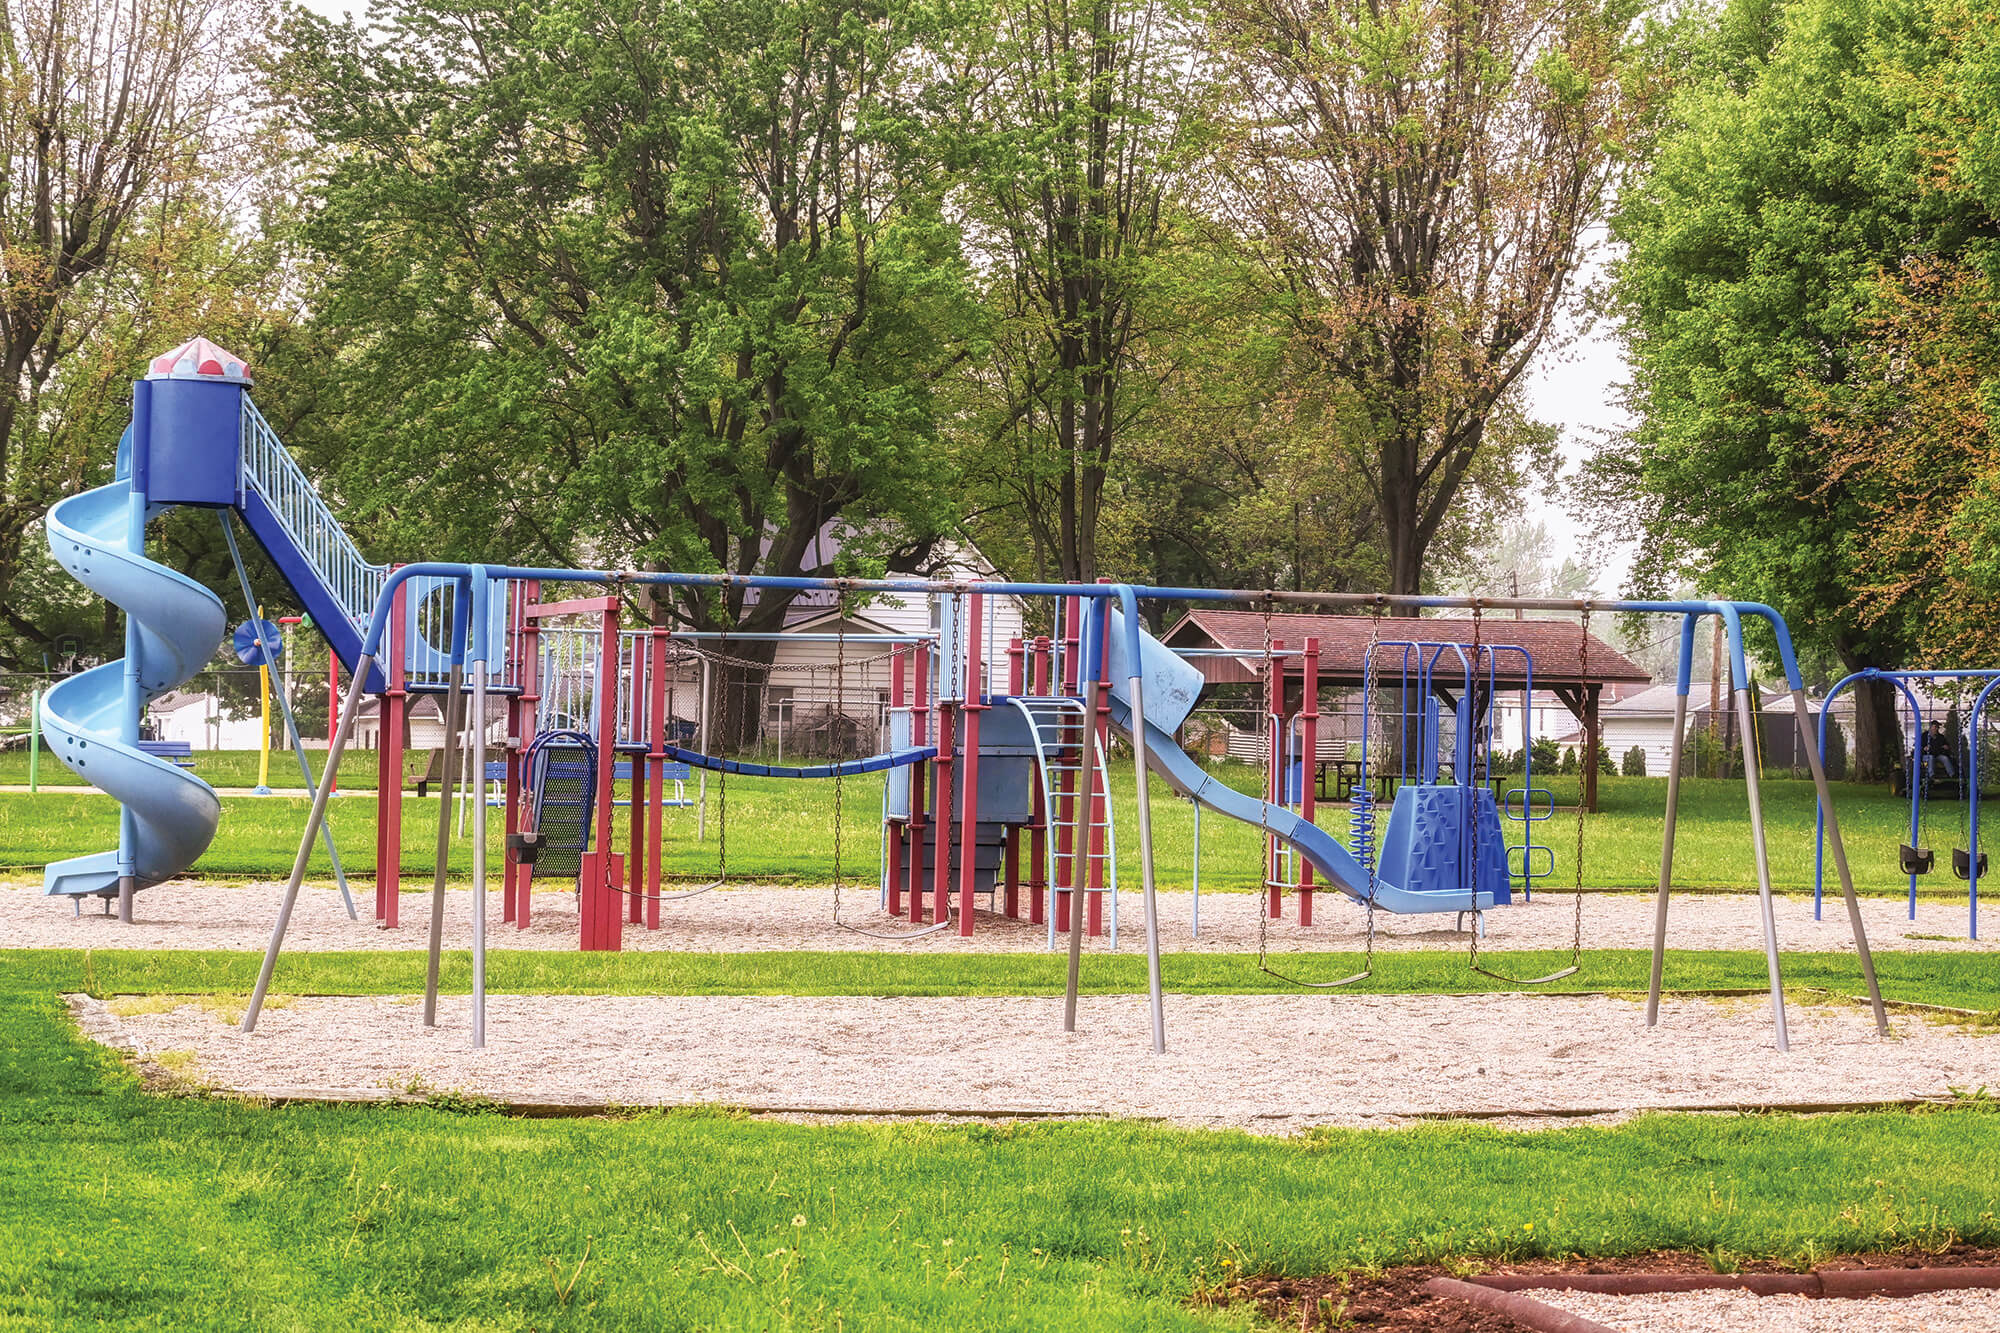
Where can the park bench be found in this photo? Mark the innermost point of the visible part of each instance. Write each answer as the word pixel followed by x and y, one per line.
pixel 178 753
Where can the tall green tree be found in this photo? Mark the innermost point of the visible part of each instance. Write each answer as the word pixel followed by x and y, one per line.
pixel 629 281
pixel 1420 178
pixel 123 184
pixel 1071 127
pixel 1783 182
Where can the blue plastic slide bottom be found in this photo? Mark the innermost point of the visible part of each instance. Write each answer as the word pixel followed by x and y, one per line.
pixel 874 763
pixel 173 812
pixel 1185 774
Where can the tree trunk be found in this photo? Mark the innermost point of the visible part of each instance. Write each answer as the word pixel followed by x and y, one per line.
pixel 1878 733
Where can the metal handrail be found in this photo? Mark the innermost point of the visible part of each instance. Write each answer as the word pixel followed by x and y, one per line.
pixel 269 469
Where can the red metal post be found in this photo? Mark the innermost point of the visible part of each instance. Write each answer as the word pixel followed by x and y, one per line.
pixel 941 827
pixel 968 820
pixel 656 773
pixel 332 703
pixel 1308 767
pixel 530 668
pixel 389 794
pixel 1038 837
pixel 899 830
pixel 1015 676
pixel 920 727
pixel 511 798
pixel 601 926
pixel 636 854
pixel 1274 780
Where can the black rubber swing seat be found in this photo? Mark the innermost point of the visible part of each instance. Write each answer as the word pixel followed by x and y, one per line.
pixel 1917 860
pixel 1961 863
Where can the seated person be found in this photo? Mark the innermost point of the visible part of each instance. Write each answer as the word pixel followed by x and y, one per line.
pixel 1933 754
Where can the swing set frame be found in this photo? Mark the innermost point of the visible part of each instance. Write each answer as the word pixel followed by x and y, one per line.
pixel 470 655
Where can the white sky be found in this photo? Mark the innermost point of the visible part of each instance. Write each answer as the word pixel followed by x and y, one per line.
pixel 1576 390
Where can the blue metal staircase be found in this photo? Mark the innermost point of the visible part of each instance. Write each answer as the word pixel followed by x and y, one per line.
pixel 286 514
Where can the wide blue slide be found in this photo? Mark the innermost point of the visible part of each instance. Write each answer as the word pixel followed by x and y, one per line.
pixel 171 814
pixel 1172 687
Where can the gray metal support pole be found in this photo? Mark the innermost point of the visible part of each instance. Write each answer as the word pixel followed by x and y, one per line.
pixel 127 884
pixel 291 722
pixel 1666 861
pixel 314 822
pixel 1153 990
pixel 1752 782
pixel 447 772
pixel 479 856
pixel 1817 762
pixel 1080 854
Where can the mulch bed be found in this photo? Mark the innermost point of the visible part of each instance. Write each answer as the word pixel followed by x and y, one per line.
pixel 1395 1299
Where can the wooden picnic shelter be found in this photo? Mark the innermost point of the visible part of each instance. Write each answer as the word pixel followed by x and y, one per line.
pixel 1572 665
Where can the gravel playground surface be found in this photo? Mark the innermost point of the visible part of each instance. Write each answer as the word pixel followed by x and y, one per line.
pixel 188 914
pixel 1709 1311
pixel 1273 1064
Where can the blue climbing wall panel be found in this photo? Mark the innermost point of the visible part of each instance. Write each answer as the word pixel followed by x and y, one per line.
pixel 1428 847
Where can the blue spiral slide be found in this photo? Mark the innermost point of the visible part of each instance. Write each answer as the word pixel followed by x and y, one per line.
pixel 173 627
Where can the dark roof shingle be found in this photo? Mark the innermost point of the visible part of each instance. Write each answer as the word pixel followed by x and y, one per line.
pixel 1556 647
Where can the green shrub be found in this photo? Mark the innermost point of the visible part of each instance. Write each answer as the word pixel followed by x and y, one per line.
pixel 1836 752
pixel 1634 765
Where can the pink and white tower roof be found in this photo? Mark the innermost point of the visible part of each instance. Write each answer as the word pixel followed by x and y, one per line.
pixel 199 359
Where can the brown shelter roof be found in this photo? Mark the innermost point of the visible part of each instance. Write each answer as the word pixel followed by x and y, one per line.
pixel 1556 647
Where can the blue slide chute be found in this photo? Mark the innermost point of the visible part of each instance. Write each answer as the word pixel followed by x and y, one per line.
pixel 1186 775
pixel 172 813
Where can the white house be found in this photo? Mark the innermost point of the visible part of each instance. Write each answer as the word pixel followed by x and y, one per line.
pixel 197 720
pixel 1646 720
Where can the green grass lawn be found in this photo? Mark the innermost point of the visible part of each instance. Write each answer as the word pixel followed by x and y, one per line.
pixel 123 1209
pixel 1955 980
pixel 781 831
pixel 221 768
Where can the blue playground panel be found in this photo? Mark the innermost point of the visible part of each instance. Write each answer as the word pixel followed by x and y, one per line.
pixel 1427 844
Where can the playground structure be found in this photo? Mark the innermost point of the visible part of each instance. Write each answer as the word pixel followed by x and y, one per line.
pixel 1968 860
pixel 973 777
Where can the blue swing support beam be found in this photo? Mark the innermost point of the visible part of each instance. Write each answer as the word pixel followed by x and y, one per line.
pixel 475 583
